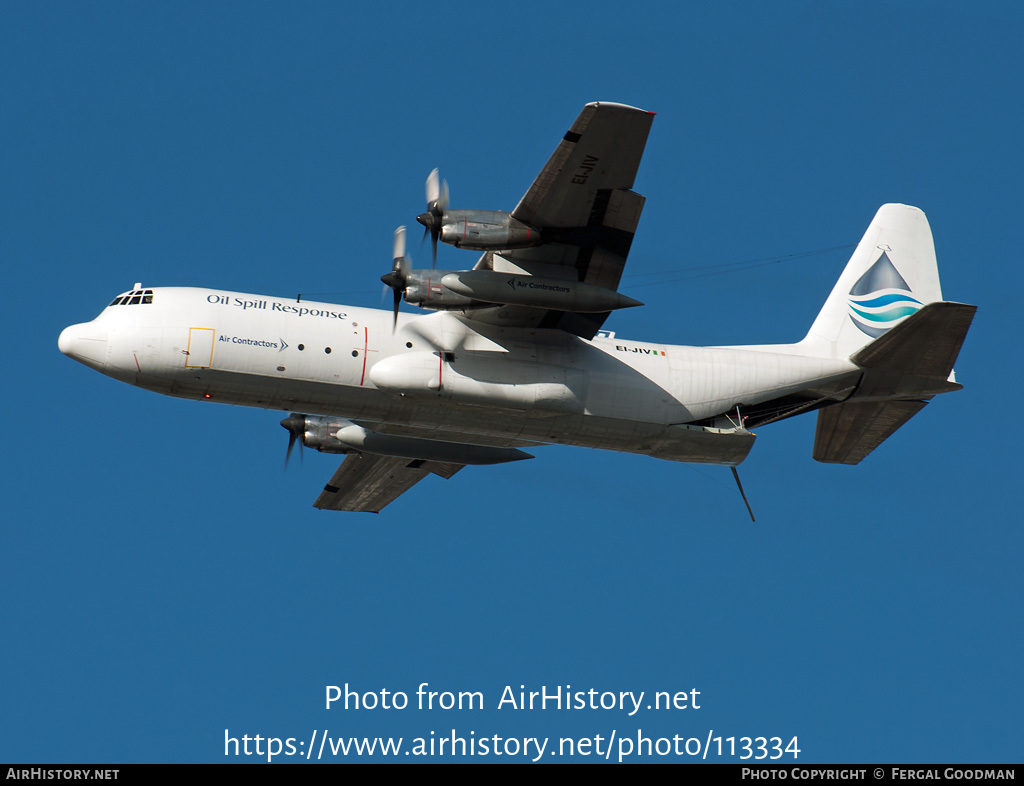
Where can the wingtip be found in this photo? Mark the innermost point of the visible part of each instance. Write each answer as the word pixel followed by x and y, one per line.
pixel 617 105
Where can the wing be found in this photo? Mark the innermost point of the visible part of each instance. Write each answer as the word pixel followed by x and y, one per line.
pixel 584 206
pixel 380 468
pixel 367 483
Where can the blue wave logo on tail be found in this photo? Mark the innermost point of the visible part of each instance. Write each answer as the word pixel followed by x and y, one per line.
pixel 880 298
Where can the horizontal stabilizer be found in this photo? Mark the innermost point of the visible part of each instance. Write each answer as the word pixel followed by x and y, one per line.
pixel 903 368
pixel 848 432
pixel 926 344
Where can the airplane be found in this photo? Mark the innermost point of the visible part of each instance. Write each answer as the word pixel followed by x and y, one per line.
pixel 513 354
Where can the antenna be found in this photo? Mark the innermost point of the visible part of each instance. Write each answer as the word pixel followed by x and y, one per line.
pixel 739 485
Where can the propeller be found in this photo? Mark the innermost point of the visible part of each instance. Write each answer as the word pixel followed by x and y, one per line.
pixel 398 278
pixel 437 203
pixel 296 426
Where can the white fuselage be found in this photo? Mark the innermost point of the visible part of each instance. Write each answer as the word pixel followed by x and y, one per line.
pixel 439 374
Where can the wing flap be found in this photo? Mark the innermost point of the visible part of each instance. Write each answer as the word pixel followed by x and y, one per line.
pixel 368 483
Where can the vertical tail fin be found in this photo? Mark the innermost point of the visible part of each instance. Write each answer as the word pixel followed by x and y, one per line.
pixel 890 276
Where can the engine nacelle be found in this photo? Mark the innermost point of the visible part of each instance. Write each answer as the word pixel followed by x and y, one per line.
pixel 423 288
pixel 337 435
pixel 559 294
pixel 487 230
pixel 319 433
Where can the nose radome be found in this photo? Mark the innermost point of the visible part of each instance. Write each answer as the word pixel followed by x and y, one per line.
pixel 66 339
pixel 85 343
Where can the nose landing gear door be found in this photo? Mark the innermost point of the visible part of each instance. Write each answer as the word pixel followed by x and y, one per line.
pixel 199 353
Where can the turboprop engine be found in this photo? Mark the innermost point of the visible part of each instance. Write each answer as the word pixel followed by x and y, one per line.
pixel 483 230
pixel 561 294
pixel 419 287
pixel 458 289
pixel 479 230
pixel 337 435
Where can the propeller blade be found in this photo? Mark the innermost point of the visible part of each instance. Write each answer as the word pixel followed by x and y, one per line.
pixel 433 188
pixel 398 302
pixel 442 200
pixel 398 278
pixel 295 425
pixel 398 247
pixel 437 203
pixel 288 453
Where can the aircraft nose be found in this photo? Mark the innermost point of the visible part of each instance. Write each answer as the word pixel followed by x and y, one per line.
pixel 85 343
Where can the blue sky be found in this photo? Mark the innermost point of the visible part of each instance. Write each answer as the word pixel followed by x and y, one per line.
pixel 162 580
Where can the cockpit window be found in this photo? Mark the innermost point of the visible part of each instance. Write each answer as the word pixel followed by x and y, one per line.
pixel 133 298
